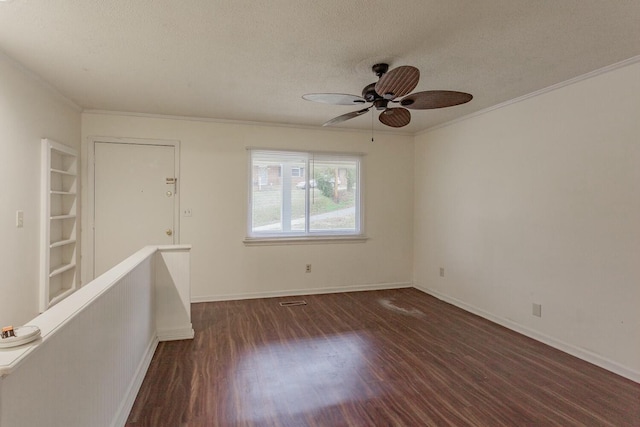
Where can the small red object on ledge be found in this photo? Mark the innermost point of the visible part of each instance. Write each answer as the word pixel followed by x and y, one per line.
pixel 8 331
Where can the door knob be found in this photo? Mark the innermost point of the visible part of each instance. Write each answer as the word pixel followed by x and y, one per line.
pixel 169 232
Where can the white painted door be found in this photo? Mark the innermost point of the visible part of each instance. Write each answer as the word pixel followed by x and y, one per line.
pixel 134 201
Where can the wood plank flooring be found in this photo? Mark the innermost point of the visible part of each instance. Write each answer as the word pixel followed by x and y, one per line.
pixel 380 358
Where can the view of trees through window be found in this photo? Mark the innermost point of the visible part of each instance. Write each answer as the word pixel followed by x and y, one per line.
pixel 304 193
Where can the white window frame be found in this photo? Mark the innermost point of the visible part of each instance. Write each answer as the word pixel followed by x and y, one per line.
pixel 307 236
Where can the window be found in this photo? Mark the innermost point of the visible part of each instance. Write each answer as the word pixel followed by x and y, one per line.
pixel 298 194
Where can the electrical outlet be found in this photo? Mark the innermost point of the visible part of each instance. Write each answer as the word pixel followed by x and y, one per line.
pixel 537 310
pixel 308 269
pixel 19 219
pixel 441 272
pixel 187 212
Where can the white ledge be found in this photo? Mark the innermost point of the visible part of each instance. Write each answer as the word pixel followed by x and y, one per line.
pixel 303 240
pixel 53 319
pixel 173 248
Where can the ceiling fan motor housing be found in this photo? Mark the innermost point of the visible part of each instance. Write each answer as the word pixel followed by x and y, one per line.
pixel 380 103
pixel 369 93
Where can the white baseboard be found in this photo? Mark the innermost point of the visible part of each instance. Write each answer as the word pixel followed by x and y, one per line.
pixel 176 334
pixel 121 416
pixel 312 291
pixel 578 352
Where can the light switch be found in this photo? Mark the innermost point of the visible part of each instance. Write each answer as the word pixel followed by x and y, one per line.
pixel 19 219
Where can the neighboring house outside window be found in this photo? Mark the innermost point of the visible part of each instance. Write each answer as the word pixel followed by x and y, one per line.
pixel 304 194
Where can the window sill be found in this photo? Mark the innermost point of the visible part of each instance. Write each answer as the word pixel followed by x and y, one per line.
pixel 303 240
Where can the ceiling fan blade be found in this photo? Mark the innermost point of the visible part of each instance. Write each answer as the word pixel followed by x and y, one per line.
pixel 345 117
pixel 395 117
pixel 398 82
pixel 435 99
pixel 334 98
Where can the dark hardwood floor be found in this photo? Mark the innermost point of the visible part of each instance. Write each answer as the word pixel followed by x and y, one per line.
pixel 381 358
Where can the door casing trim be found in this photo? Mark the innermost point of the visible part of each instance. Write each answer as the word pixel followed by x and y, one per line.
pixel 87 224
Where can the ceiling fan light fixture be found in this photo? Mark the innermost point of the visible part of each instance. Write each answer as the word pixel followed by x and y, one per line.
pixel 380 103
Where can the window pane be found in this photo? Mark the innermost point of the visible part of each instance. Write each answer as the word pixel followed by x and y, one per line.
pixel 334 198
pixel 296 196
pixel 300 194
pixel 277 205
pixel 266 196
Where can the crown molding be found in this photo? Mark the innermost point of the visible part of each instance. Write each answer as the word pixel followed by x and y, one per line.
pixel 586 76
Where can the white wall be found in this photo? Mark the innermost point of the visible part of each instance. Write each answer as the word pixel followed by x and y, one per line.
pixel 539 202
pixel 213 183
pixel 29 111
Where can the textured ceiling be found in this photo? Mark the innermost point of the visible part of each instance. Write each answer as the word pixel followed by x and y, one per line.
pixel 253 60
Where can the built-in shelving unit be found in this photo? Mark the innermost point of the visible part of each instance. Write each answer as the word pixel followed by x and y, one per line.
pixel 58 277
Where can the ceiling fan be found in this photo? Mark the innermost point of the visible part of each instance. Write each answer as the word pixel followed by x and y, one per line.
pixel 390 86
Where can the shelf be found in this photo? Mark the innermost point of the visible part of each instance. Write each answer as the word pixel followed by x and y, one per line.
pixel 62 243
pixel 62 217
pixel 61 269
pixel 59 180
pixel 61 172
